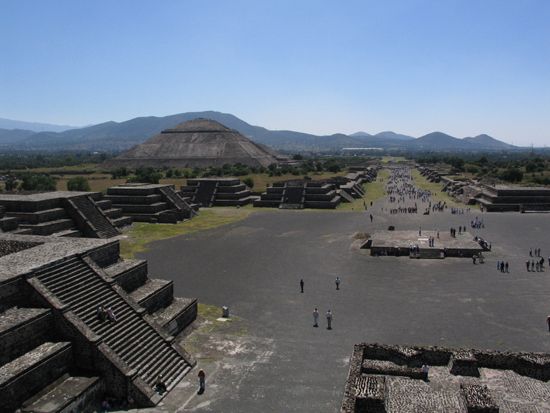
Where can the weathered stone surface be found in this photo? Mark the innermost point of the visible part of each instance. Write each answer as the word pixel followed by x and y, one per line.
pixel 197 143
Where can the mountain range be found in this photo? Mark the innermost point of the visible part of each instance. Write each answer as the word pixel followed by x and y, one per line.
pixel 117 136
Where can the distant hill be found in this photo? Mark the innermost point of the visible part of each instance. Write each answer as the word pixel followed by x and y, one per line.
pixel 439 141
pixel 359 134
pixel 489 142
pixel 32 126
pixel 13 136
pixel 119 136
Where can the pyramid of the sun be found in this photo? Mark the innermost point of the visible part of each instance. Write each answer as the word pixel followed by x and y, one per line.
pixel 197 143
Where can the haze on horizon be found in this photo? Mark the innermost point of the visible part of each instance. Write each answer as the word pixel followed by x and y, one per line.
pixel 461 67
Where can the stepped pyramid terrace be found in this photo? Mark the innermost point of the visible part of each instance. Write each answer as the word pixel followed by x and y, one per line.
pixel 151 202
pixel 57 354
pixel 62 214
pixel 299 194
pixel 208 192
pixel 492 198
pixel 197 143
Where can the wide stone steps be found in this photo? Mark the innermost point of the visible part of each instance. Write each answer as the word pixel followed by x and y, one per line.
pixel 49 227
pixel 113 213
pixel 177 202
pixel 22 329
pixel 77 285
pixel 67 394
pixel 24 376
pixel 89 209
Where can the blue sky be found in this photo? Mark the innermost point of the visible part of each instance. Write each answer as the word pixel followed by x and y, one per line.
pixel 463 67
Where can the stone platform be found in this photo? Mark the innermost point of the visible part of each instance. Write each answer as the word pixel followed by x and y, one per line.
pixel 56 351
pixel 399 243
pixel 391 379
pixel 60 213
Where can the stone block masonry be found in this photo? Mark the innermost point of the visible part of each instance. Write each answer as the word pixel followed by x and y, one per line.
pixel 58 353
pixel 403 379
pixel 156 203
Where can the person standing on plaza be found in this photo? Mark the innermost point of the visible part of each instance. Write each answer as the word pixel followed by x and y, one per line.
pixel 301 285
pixel 329 320
pixel 315 317
pixel 337 282
pixel 548 322
pixel 202 381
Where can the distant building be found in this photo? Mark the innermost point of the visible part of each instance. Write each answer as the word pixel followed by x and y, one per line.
pixel 197 143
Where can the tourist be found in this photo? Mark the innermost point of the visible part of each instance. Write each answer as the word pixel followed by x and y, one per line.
pixel 101 313
pixel 202 381
pixel 329 320
pixel 315 317
pixel 337 282
pixel 105 405
pixel 498 265
pixel 370 217
pixel 425 370
pixel 502 266
pixel 548 322
pixel 506 266
pixel 301 285
pixel 111 315
pixel 527 265
pixel 160 386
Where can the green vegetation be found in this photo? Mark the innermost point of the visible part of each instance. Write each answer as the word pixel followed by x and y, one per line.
pixel 376 189
pixel 435 188
pixel 141 234
pixel 37 182
pixel 78 183
pixel 147 175
pixel 523 168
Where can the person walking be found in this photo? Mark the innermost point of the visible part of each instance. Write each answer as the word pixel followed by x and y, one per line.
pixel 329 320
pixel 548 322
pixel 315 317
pixel 202 381
pixel 301 285
pixel 337 282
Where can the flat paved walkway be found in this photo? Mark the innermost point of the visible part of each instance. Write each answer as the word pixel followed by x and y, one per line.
pixel 283 364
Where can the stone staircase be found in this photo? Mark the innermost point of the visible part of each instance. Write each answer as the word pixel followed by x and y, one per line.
pixel 156 296
pixel 177 201
pixel 113 214
pixel 100 223
pixel 205 193
pixel 79 287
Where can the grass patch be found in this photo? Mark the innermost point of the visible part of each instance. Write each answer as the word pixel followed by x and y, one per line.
pixel 435 188
pixel 142 233
pixel 376 189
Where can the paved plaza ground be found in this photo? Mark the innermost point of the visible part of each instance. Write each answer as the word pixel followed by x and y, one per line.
pixel 275 361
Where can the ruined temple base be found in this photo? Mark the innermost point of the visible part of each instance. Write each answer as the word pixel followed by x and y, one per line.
pixel 398 243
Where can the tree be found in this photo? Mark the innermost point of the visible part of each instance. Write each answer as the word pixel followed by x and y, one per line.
pixel 10 184
pixel 36 182
pixel 248 181
pixel 78 183
pixel 146 175
pixel 511 175
pixel 121 172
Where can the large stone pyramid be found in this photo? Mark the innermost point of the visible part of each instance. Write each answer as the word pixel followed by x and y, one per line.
pixel 197 143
